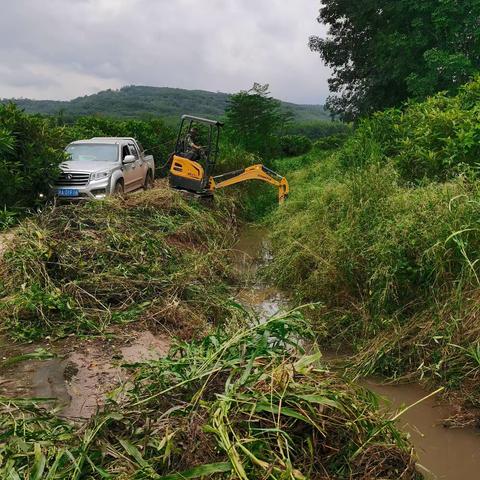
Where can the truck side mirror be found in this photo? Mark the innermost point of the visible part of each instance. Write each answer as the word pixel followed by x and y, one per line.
pixel 129 159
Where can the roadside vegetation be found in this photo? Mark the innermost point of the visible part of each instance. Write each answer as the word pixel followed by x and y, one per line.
pixel 380 238
pixel 383 232
pixel 233 399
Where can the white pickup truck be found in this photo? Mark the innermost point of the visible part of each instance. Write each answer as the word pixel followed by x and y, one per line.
pixel 104 166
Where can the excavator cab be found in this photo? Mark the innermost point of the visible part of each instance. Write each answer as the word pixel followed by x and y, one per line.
pixel 192 165
pixel 191 170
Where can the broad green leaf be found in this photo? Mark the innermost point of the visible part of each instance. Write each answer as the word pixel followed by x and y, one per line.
pixel 289 412
pixel 201 471
pixel 39 463
pixel 319 399
pixel 134 452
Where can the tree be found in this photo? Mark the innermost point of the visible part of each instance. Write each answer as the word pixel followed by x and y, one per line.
pixel 383 52
pixel 254 119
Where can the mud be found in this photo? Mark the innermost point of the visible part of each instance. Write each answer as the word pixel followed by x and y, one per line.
pixel 83 372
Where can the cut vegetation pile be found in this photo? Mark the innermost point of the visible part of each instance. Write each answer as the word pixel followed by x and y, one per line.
pixel 245 405
pixel 385 233
pixel 152 257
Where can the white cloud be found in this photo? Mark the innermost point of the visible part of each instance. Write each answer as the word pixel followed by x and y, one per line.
pixel 67 48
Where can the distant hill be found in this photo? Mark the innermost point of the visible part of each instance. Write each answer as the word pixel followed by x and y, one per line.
pixel 140 102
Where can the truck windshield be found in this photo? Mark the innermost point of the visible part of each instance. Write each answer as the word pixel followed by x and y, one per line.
pixel 93 152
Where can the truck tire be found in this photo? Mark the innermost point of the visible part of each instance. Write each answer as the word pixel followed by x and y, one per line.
pixel 148 184
pixel 119 190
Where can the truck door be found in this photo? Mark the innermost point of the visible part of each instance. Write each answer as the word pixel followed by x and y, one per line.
pixel 140 166
pixel 128 170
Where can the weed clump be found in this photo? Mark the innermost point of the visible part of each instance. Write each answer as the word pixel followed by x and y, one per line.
pixel 384 233
pixel 152 256
pixel 243 405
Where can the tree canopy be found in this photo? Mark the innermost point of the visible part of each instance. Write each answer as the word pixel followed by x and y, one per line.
pixel 254 119
pixel 383 52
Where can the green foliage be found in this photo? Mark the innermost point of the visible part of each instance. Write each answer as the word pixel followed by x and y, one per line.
pixel 433 140
pixel 385 233
pixel 331 142
pixel 31 149
pixel 383 53
pixel 233 157
pixel 143 103
pixel 315 130
pixel 253 120
pixel 8 218
pixel 75 269
pixel 247 404
pixel 294 145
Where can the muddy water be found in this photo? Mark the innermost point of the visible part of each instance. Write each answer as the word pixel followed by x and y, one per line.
pixel 251 252
pixel 443 454
pixel 82 372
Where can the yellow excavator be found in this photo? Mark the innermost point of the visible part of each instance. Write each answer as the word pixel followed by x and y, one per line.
pixel 192 166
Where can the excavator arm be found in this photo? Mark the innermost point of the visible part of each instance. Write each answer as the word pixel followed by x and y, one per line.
pixel 255 172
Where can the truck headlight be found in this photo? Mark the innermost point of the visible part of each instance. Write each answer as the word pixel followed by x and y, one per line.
pixel 100 175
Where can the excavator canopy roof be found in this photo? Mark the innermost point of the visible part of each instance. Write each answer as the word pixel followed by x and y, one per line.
pixel 216 123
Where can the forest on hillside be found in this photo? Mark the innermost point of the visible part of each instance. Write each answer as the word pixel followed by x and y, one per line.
pixel 140 102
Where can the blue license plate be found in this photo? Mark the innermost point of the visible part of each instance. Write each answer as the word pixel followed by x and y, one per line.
pixel 67 192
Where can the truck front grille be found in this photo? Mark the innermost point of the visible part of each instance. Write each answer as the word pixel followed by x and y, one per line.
pixel 72 179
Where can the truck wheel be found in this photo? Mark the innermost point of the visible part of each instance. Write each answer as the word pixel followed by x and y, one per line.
pixel 148 185
pixel 119 191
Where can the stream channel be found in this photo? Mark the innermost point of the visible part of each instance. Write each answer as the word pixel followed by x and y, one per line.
pixel 81 372
pixel 443 454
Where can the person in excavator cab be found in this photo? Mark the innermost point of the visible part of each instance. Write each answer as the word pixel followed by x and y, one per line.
pixel 194 151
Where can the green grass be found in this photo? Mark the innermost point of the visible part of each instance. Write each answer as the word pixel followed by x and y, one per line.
pixel 236 404
pixel 393 259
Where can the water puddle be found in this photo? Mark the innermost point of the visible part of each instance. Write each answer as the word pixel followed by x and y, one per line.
pixel 251 252
pixel 444 454
pixel 82 372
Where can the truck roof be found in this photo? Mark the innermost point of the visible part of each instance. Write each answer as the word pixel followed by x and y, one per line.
pixel 113 140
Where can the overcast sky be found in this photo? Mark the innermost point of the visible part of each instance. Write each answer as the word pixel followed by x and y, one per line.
pixel 61 49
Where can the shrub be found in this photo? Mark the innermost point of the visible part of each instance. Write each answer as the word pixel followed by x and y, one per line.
pixel 318 129
pixel 294 145
pixel 384 233
pixel 31 149
pixel 430 141
pixel 331 142
pixel 382 257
